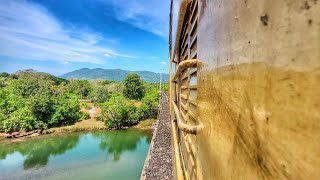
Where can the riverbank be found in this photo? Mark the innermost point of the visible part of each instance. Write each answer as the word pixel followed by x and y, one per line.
pixel 84 125
pixel 91 124
pixel 81 126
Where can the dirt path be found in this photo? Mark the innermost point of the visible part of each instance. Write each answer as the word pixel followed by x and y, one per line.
pixel 158 164
pixel 92 112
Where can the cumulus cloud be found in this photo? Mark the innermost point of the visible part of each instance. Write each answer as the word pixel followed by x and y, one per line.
pixel 29 31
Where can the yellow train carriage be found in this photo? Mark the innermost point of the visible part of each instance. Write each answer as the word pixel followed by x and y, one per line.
pixel 245 89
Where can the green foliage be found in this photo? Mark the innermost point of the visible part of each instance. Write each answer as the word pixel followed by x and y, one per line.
pixel 4 74
pixel 100 118
pixel 81 88
pixel 106 82
pixel 66 111
pixel 149 105
pixel 25 87
pixel 165 87
pixel 85 115
pixel 113 75
pixel 85 105
pixel 98 94
pixel 41 104
pixel 30 100
pixel 117 142
pixel 133 87
pixel 35 101
pixel 117 111
pixel 115 87
pixel 38 151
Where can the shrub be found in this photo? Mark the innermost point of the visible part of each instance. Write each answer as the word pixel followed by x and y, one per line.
pixel 66 111
pixel 149 105
pixel 100 118
pixel 80 87
pixel 98 94
pixel 85 115
pixel 133 87
pixel 85 105
pixel 35 100
pixel 116 112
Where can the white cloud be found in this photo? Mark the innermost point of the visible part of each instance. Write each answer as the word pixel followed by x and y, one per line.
pixel 29 31
pixel 163 62
pixel 66 63
pixel 148 15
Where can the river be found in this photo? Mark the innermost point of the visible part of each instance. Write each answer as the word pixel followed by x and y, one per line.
pixel 95 155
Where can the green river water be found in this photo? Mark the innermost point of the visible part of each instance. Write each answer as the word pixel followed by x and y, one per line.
pixel 95 155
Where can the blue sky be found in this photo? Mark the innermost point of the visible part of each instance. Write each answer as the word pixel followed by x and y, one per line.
pixel 59 36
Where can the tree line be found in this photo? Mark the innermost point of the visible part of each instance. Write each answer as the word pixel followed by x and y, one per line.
pixel 32 100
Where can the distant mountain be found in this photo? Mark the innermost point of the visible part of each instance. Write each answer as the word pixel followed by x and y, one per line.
pixel 112 74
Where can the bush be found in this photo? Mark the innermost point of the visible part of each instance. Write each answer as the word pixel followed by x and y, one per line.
pixel 85 105
pixel 80 87
pixel 31 100
pixel 41 104
pixel 98 94
pixel 149 106
pixel 34 100
pixel 22 120
pixel 116 112
pixel 100 118
pixel 66 111
pixel 85 115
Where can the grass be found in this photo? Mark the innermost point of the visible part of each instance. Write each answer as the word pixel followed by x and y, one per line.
pixel 145 124
pixel 85 105
pixel 73 129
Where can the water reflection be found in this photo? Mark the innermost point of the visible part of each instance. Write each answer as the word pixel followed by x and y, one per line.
pixel 117 142
pixel 76 156
pixel 37 152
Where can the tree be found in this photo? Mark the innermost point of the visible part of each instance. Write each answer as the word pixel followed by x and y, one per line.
pixel 35 100
pixel 4 74
pixel 149 105
pixel 65 111
pixel 80 87
pixel 133 87
pixel 41 104
pixel 116 112
pixel 98 94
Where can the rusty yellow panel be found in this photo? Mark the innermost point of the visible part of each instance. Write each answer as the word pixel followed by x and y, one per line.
pixel 259 89
pixel 184 106
pixel 189 157
pixel 193 95
pixel 193 112
pixel 185 82
pixel 184 101
pixel 184 91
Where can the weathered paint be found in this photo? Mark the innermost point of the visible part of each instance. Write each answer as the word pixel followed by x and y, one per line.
pixel 259 89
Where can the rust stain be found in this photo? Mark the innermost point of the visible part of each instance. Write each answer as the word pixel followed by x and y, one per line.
pixel 264 19
pixel 203 8
pixel 266 149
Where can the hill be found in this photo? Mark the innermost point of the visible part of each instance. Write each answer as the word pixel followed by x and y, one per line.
pixel 112 74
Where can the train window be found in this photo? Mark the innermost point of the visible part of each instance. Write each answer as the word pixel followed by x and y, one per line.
pixel 188 88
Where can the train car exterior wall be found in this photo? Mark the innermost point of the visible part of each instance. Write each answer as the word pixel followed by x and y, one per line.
pixel 258 89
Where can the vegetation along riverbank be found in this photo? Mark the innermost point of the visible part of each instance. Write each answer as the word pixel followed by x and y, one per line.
pixel 33 103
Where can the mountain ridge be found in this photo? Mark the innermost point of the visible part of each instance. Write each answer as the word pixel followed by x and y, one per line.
pixel 112 74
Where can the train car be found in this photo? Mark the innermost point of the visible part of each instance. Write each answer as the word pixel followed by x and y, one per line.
pixel 245 89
